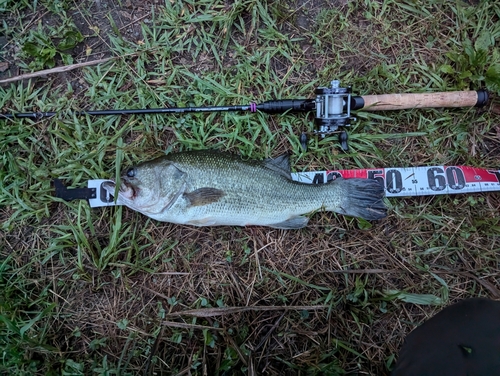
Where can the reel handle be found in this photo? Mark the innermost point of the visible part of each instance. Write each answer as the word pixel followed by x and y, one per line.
pixel 405 101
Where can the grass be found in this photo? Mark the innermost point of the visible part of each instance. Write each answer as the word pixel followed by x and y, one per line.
pixel 108 291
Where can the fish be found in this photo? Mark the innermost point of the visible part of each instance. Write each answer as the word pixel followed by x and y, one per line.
pixel 209 188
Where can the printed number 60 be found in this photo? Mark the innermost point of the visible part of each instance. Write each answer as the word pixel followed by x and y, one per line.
pixel 437 178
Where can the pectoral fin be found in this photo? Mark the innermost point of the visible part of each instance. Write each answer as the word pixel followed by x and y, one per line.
pixel 204 196
pixel 292 223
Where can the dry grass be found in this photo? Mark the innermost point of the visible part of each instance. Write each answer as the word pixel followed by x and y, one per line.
pixel 277 298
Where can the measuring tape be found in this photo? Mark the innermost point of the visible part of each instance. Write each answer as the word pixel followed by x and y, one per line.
pixel 415 181
pixel 398 182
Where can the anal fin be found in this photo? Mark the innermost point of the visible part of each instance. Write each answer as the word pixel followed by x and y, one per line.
pixel 291 223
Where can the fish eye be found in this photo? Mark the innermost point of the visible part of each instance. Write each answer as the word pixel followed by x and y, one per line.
pixel 131 172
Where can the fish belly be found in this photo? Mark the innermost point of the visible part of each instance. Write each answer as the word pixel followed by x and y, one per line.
pixel 243 210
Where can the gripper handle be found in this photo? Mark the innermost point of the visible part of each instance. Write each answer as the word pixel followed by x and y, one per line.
pixel 385 102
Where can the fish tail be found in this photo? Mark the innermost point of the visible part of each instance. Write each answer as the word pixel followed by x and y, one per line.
pixel 362 198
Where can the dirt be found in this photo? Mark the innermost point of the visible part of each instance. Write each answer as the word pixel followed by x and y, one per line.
pixel 97 21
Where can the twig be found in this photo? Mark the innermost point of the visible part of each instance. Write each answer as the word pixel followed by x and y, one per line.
pixel 64 68
pixel 269 332
pixel 360 271
pixel 159 337
pixel 174 324
pixel 211 312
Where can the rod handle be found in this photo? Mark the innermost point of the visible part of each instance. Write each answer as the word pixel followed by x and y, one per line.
pixel 385 102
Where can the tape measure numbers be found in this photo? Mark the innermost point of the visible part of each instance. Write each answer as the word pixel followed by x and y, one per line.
pixel 415 181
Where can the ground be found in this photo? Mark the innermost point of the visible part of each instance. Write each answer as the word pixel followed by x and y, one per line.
pixel 108 291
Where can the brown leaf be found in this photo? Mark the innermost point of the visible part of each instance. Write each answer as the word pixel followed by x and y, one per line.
pixel 3 66
pixel 495 108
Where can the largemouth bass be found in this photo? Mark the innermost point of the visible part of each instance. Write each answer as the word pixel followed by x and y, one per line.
pixel 204 188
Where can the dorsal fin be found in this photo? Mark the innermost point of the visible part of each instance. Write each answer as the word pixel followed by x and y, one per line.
pixel 280 164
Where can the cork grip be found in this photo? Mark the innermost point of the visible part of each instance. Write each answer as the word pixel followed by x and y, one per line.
pixel 424 100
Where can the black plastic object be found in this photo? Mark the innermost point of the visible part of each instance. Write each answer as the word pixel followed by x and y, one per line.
pixel 343 137
pixel 69 194
pixel 357 103
pixel 282 106
pixel 482 98
pixel 303 141
pixel 462 339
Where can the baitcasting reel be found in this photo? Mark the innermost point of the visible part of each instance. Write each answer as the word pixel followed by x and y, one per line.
pixel 333 110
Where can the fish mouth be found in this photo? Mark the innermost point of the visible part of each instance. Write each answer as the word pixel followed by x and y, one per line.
pixel 126 190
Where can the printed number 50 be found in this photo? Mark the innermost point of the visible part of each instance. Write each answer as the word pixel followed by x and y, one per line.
pixel 393 179
pixel 377 175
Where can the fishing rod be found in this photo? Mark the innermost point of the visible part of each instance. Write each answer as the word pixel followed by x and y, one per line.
pixel 333 106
